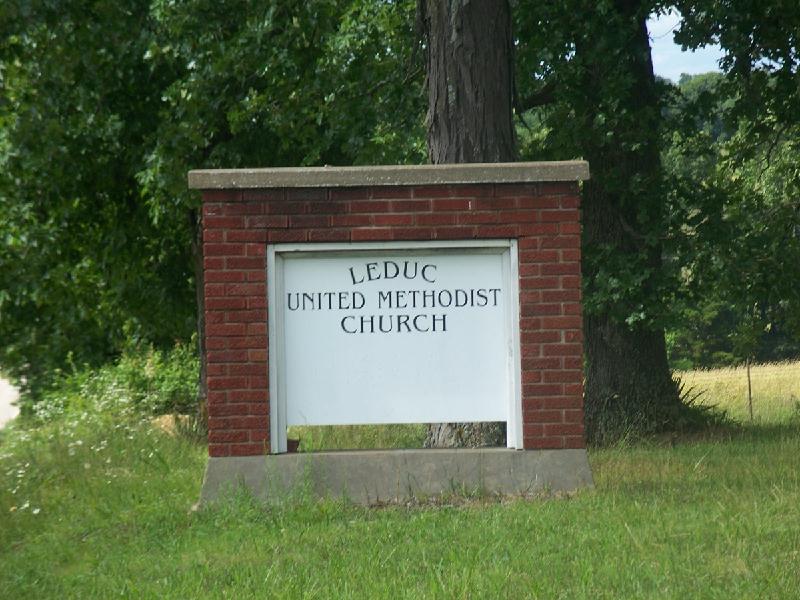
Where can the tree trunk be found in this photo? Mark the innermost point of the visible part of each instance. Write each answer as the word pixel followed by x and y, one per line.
pixel 469 80
pixel 470 89
pixel 628 382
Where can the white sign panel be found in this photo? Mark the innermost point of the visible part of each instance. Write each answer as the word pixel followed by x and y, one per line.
pixel 409 333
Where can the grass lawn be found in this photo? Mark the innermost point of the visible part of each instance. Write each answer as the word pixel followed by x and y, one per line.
pixel 97 507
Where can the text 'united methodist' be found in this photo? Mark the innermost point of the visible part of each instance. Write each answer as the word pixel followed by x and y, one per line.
pixel 392 296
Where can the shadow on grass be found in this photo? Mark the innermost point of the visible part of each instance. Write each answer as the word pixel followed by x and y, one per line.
pixel 745 460
pixel 721 432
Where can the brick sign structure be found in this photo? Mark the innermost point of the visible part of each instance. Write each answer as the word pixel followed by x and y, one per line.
pixel 315 245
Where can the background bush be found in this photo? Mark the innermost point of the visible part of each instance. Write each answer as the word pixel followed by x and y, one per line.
pixel 143 380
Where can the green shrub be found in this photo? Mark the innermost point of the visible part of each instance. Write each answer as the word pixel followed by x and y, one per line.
pixel 144 381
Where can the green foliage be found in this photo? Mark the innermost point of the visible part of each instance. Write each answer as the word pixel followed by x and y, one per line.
pixel 723 216
pixel 690 219
pixel 82 266
pixel 599 100
pixel 735 235
pixel 141 382
pixel 107 105
pixel 273 84
pixel 761 59
pixel 586 83
pixel 741 247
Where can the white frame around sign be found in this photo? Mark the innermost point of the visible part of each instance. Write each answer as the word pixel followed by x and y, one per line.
pixel 275 286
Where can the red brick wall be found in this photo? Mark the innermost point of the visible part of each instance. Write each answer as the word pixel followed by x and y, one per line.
pixel 543 217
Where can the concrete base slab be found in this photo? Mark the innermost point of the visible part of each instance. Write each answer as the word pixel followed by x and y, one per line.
pixel 376 476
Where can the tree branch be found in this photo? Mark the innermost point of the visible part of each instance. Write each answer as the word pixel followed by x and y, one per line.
pixel 543 96
pixel 766 161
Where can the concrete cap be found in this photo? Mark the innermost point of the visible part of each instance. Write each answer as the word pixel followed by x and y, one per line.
pixel 394 175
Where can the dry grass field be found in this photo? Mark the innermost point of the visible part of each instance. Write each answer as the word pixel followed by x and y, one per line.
pixel 775 390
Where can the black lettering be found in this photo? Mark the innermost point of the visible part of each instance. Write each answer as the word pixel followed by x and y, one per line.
pixel 371 321
pixel 462 299
pixel 400 296
pixel 380 323
pixel 296 301
pixel 428 295
pixel 425 277
pixel 414 294
pixel 384 297
pixel 440 319
pixel 329 298
pixel 353 277
pixel 495 291
pixel 416 324
pixel 344 324
pixel 449 298
pixel 308 298
pixel 405 270
pixel 358 296
pixel 483 299
pixel 402 321
pixel 343 301
pixel 386 265
pixel 371 275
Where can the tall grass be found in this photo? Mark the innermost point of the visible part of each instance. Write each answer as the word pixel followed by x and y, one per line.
pixel 775 390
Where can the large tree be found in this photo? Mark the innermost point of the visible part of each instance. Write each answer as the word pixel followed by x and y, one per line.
pixel 597 79
pixel 595 95
pixel 615 99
